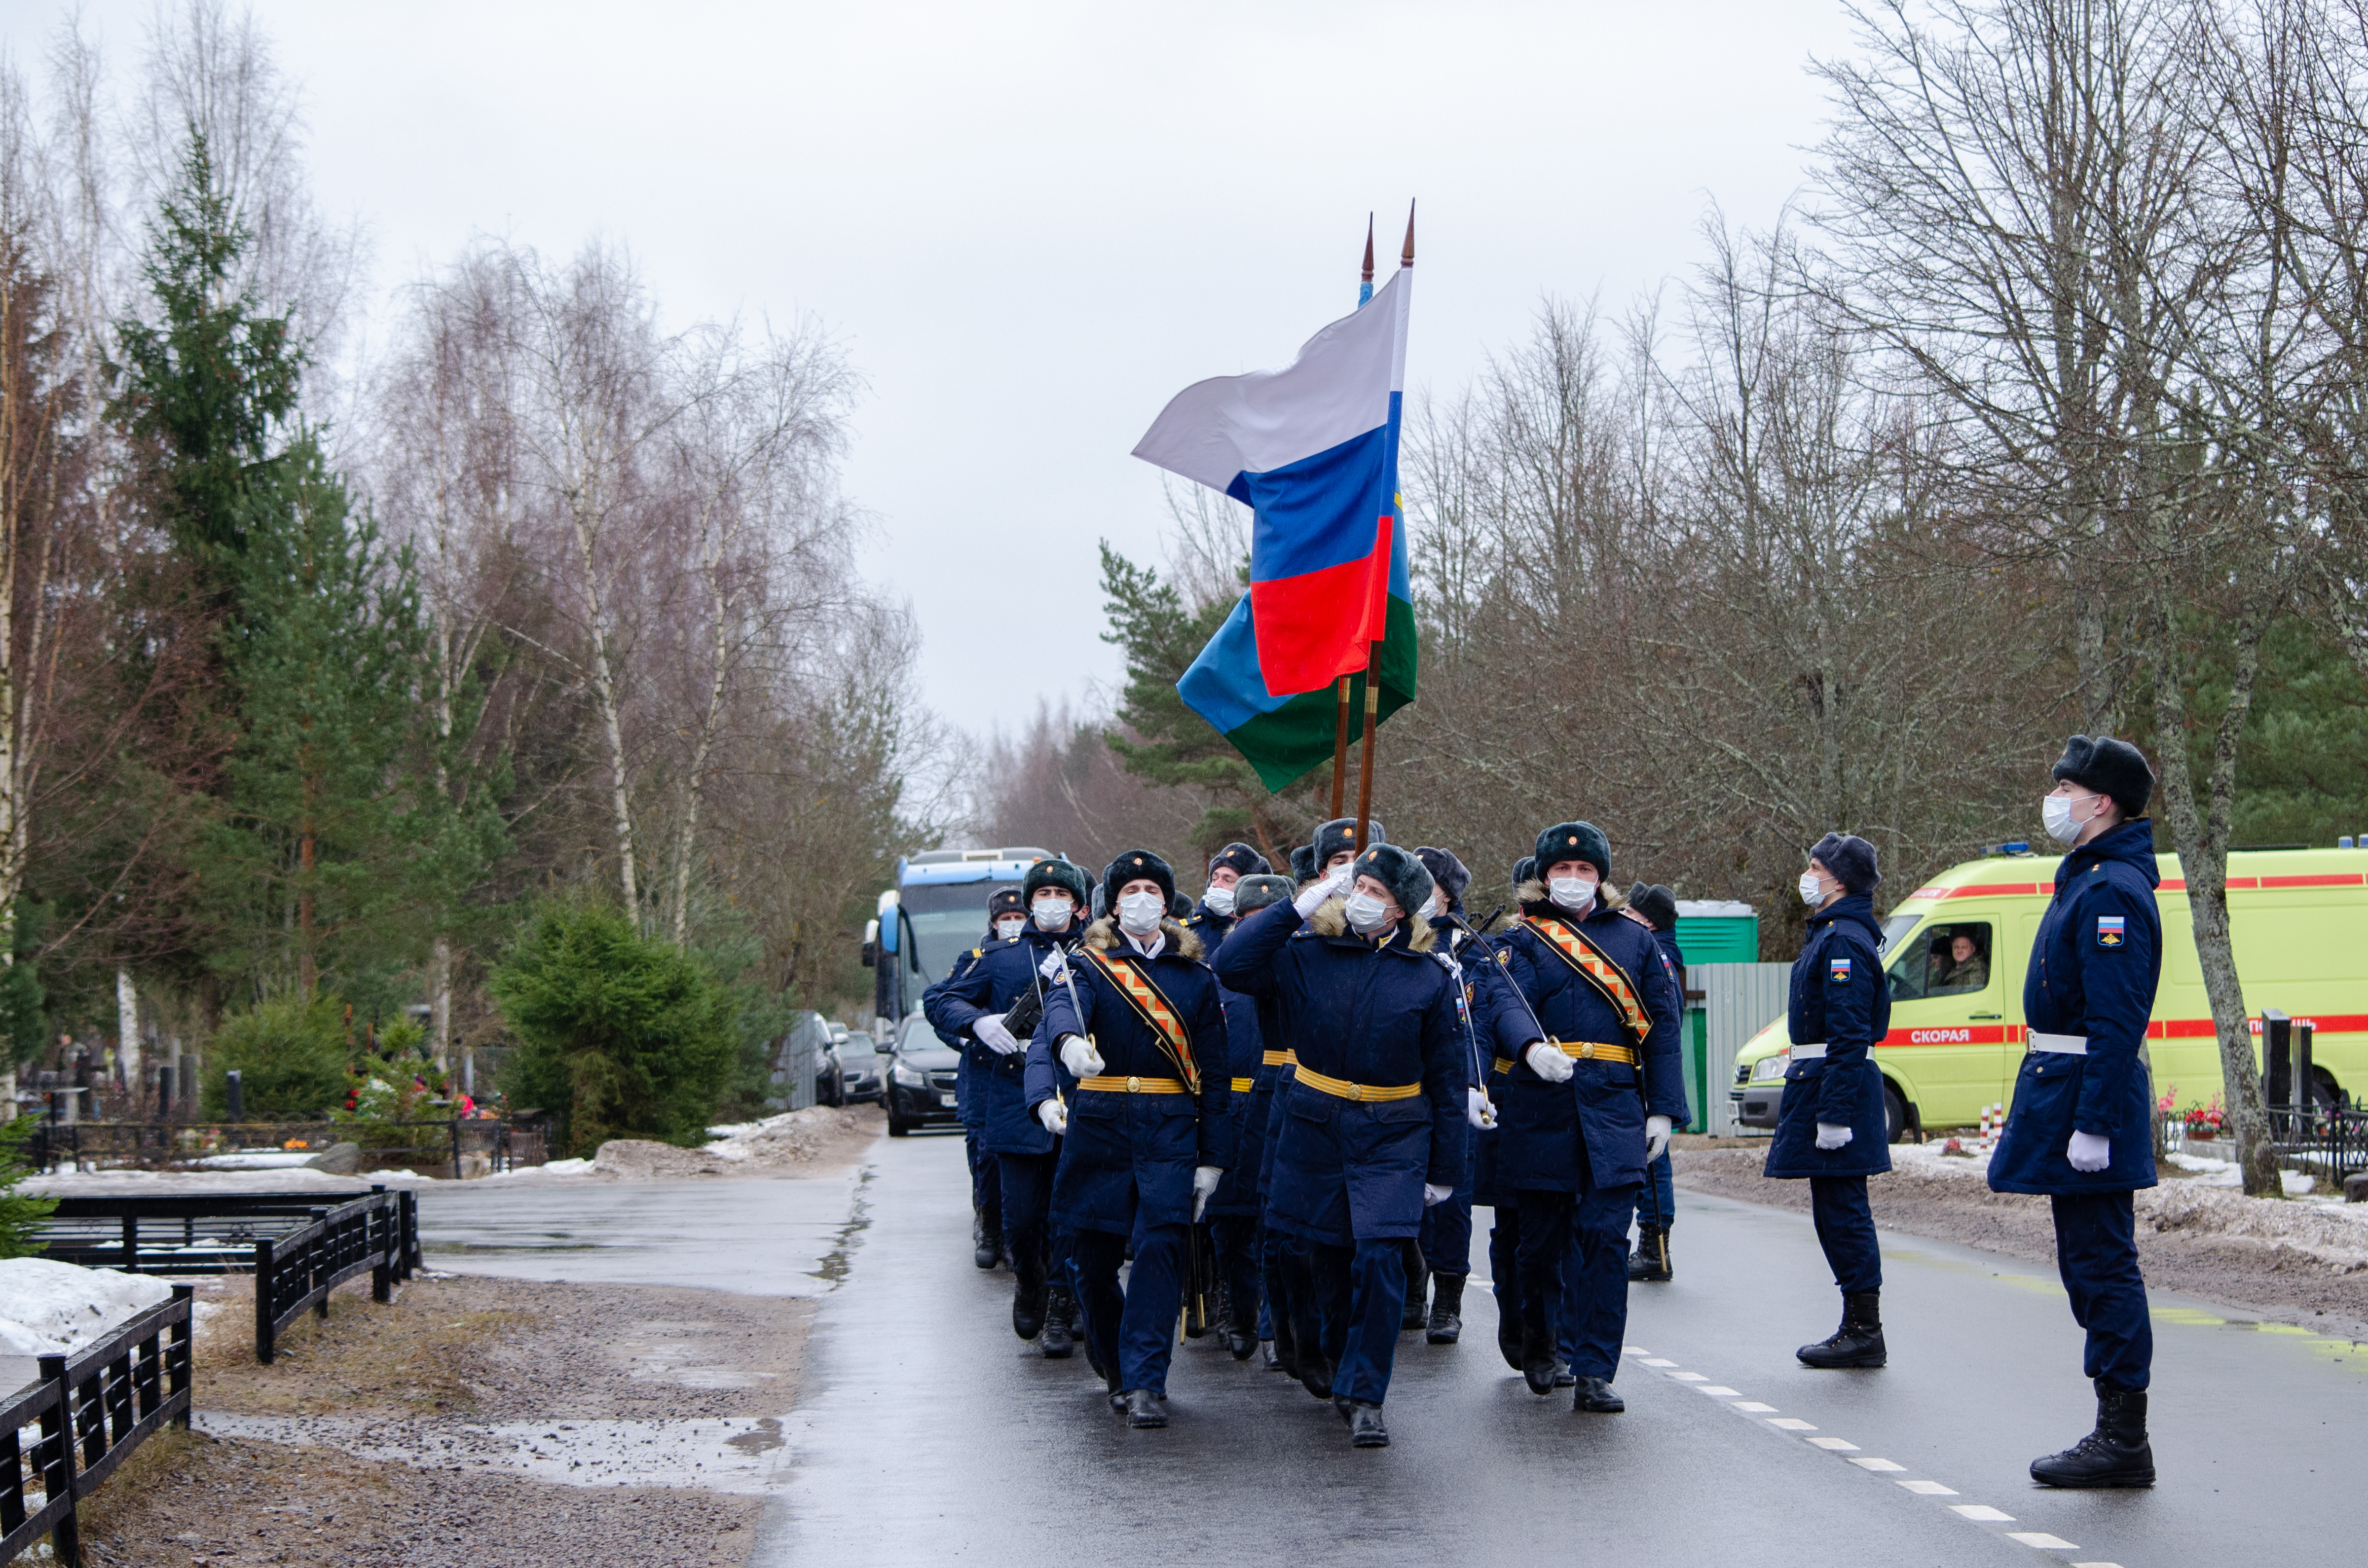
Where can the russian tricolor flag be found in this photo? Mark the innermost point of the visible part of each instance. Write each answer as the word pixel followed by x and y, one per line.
pixel 1313 451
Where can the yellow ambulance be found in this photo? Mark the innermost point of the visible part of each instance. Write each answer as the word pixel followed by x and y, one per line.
pixel 1955 948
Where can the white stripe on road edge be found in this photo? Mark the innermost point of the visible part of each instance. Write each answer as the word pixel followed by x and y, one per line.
pixel 1688 1378
pixel 2095 1565
pixel 1833 1445
pixel 1790 1423
pixel 1930 1489
pixel 1655 1361
pixel 1981 1511
pixel 2041 1538
pixel 1877 1464
pixel 1754 1406
pixel 1716 1391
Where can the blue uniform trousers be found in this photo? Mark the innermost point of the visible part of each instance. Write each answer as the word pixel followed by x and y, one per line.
pixel 1132 1330
pixel 1504 1255
pixel 2097 1255
pixel 1038 1254
pixel 1361 1296
pixel 1282 1271
pixel 1447 1236
pixel 1237 1239
pixel 1664 1195
pixel 985 1183
pixel 1573 1257
pixel 1846 1230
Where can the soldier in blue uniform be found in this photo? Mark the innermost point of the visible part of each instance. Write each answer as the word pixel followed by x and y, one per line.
pixel 2078 1128
pixel 1232 1212
pixel 1590 1011
pixel 1007 917
pixel 1488 1186
pixel 1656 1200
pixel 1137 1024
pixel 1373 1123
pixel 968 1006
pixel 1830 1126
pixel 1283 1263
pixel 1445 1251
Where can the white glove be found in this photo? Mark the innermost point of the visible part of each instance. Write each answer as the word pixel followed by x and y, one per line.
pixel 1312 898
pixel 991 1034
pixel 1434 1196
pixel 1079 1057
pixel 1548 1063
pixel 1657 1137
pixel 1478 1109
pixel 1056 962
pixel 2089 1151
pixel 1055 1116
pixel 1832 1135
pixel 1204 1182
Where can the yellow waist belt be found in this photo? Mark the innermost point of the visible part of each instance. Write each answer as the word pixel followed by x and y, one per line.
pixel 1275 1059
pixel 1115 1085
pixel 1594 1051
pixel 1244 1085
pixel 1340 1088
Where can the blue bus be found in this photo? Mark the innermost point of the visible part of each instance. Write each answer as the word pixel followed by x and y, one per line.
pixel 936 913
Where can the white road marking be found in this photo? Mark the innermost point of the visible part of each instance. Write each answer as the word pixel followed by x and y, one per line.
pixel 1755 1407
pixel 1656 1361
pixel 2096 1565
pixel 1717 1391
pixel 1981 1511
pixel 1930 1489
pixel 1790 1423
pixel 1633 1350
pixel 2041 1538
pixel 1833 1445
pixel 1877 1464
pixel 1688 1378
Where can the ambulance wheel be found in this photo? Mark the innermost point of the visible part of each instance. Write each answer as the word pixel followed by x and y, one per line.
pixel 1895 1112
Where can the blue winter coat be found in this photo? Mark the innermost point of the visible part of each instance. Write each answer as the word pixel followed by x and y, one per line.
pixel 2094 967
pixel 1130 1157
pixel 1484 960
pixel 1841 996
pixel 990 980
pixel 1253 1091
pixel 1546 1129
pixel 1383 1016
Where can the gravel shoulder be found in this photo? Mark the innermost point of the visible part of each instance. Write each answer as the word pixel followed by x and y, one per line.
pixel 2287 1261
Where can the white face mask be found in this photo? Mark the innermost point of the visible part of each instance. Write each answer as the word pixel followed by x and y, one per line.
pixel 1139 913
pixel 1219 900
pixel 1052 912
pixel 1813 888
pixel 1366 914
pixel 2055 810
pixel 1010 925
pixel 1574 893
pixel 1435 906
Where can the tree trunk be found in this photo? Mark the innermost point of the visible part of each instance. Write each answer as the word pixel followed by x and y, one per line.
pixel 439 1001
pixel 127 1029
pixel 307 971
pixel 612 724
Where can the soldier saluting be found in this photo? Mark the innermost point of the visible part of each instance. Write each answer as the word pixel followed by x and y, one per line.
pixel 1590 1009
pixel 1134 1017
pixel 2077 1129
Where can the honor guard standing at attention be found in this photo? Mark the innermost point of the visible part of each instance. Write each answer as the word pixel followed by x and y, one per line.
pixel 1233 1211
pixel 1592 1021
pixel 1446 1244
pixel 2077 1129
pixel 1830 1126
pixel 1007 917
pixel 1136 1018
pixel 970 1006
pixel 1373 1129
pixel 1656 1200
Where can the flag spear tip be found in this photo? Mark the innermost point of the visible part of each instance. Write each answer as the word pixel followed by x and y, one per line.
pixel 1369 247
pixel 1406 257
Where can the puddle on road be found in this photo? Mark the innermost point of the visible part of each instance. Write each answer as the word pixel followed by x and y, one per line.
pixel 839 1259
pixel 735 1455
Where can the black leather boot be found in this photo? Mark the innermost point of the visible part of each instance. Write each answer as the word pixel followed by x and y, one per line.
pixel 1416 1312
pixel 1539 1363
pixel 1595 1395
pixel 1028 1304
pixel 1059 1323
pixel 1365 1427
pixel 1315 1372
pixel 1649 1263
pixel 1859 1341
pixel 1564 1377
pixel 2115 1454
pixel 1509 1331
pixel 987 1245
pixel 1446 1326
pixel 1143 1409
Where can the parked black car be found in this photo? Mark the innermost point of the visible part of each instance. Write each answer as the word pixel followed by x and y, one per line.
pixel 863 1069
pixel 920 1091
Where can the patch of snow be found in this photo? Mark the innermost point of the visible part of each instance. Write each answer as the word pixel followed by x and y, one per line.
pixel 54 1309
pixel 257 1160
pixel 129 1183
pixel 548 1168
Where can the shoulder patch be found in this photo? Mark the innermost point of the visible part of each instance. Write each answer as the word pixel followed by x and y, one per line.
pixel 1837 971
pixel 978 953
pixel 2110 931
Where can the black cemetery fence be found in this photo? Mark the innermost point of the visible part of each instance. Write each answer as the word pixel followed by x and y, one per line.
pixel 298 1269
pixel 91 1409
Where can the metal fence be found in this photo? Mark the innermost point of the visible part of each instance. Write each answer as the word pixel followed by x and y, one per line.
pixel 89 1411
pixel 1738 1001
pixel 297 1270
pixel 457 1146
pixel 203 1232
pixel 2327 1142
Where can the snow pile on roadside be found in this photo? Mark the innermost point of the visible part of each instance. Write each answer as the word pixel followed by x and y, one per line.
pixel 128 1183
pixel 54 1309
pixel 747 1148
pixel 548 1168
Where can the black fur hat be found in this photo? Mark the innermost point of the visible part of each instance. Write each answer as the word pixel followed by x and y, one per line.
pixel 1850 860
pixel 1447 871
pixel 1575 841
pixel 1255 892
pixel 1179 907
pixel 1066 875
pixel 2111 768
pixel 1007 900
pixel 1525 869
pixel 1339 835
pixel 1655 904
pixel 1400 872
pixel 1303 863
pixel 1132 866
pixel 1244 861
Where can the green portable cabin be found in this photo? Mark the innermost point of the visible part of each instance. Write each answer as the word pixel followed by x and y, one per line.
pixel 1709 930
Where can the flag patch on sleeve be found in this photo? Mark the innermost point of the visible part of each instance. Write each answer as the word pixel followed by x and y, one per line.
pixel 2110 931
pixel 1837 971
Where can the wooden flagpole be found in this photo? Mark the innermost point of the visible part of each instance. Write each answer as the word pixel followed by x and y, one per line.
pixel 1341 715
pixel 1373 654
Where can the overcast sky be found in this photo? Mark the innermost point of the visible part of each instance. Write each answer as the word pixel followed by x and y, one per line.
pixel 1032 223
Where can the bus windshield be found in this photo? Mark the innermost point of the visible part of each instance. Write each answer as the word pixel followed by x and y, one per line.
pixel 944 920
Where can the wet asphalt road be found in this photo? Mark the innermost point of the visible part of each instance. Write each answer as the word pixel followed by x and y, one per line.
pixel 925 1432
